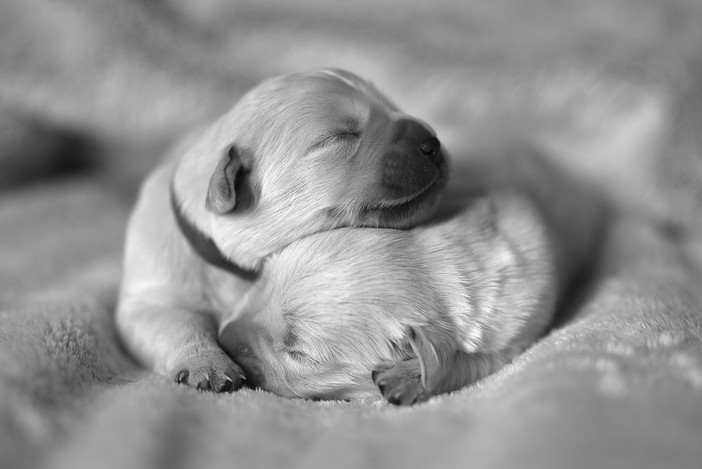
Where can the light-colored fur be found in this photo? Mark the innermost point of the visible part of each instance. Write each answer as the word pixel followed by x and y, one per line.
pixel 430 310
pixel 312 148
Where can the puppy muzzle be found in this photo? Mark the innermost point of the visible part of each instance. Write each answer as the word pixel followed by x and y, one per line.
pixel 412 162
pixel 237 339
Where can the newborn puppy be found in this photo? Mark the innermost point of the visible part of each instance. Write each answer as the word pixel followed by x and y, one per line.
pixel 420 312
pixel 297 155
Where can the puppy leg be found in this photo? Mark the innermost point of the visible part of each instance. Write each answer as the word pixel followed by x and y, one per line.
pixel 163 314
pixel 436 370
pixel 179 344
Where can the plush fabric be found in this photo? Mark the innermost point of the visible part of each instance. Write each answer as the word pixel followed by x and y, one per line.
pixel 90 93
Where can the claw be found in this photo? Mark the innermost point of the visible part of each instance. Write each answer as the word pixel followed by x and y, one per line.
pixel 182 377
pixel 209 373
pixel 228 384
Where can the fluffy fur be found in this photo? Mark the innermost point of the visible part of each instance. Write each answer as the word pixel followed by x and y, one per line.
pixel 421 312
pixel 299 154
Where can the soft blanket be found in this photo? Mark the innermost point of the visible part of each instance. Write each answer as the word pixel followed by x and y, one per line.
pixel 90 92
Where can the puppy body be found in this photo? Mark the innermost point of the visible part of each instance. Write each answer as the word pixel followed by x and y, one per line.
pixel 299 154
pixel 428 310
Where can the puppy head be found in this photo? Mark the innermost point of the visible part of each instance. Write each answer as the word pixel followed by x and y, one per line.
pixel 308 152
pixel 329 309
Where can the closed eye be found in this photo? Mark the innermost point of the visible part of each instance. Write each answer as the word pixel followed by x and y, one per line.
pixel 334 137
pixel 300 356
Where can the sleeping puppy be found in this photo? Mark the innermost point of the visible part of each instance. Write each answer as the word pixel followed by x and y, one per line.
pixel 297 155
pixel 418 312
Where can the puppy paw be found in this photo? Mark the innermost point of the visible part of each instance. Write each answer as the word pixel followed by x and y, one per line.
pixel 212 371
pixel 400 383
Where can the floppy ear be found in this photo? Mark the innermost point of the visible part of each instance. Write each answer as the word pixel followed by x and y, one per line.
pixel 433 361
pixel 228 190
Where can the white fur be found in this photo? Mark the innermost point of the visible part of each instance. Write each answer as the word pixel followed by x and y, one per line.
pixel 170 301
pixel 484 283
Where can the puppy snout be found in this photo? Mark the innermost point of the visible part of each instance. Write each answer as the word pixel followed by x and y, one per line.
pixel 238 342
pixel 410 133
pixel 410 129
pixel 405 174
pixel 413 160
pixel 431 147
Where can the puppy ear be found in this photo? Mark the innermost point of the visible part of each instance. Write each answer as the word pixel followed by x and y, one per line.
pixel 228 188
pixel 432 360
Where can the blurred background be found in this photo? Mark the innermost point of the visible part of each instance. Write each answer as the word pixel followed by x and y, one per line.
pixel 130 74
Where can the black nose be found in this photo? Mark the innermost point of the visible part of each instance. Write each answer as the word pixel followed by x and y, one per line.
pixel 430 146
pixel 237 341
pixel 415 136
pixel 410 130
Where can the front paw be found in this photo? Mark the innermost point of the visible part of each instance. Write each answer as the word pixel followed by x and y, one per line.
pixel 212 371
pixel 401 383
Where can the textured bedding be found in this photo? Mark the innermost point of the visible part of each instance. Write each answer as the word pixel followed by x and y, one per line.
pixel 90 94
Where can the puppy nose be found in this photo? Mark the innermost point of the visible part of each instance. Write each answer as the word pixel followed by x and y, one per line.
pixel 413 135
pixel 409 129
pixel 413 161
pixel 237 341
pixel 430 146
